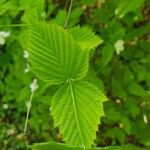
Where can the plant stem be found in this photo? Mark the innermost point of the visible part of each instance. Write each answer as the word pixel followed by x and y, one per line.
pixel 68 15
pixel 13 25
pixel 28 112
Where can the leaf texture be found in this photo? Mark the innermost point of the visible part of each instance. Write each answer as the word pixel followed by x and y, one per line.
pixel 85 38
pixel 54 56
pixel 76 109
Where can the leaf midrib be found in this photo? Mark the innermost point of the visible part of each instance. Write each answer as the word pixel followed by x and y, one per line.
pixel 75 111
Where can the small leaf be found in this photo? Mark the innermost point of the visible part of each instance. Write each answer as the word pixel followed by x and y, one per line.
pixel 138 32
pixel 126 124
pixel 60 18
pixel 137 90
pixel 94 79
pixel 53 54
pixel 34 12
pixel 85 38
pixel 107 54
pixel 74 16
pixel 125 6
pixel 76 109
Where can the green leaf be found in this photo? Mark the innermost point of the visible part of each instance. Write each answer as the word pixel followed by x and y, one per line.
pixel 34 12
pixel 138 32
pixel 76 109
pixel 94 79
pixel 54 56
pixel 75 16
pixel 58 146
pixel 60 18
pixel 85 38
pixel 116 133
pixel 125 6
pixel 137 90
pixel 126 124
pixel 107 54
pixel 30 16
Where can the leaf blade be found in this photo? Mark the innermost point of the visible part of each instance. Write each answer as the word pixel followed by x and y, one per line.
pixel 84 102
pixel 54 55
pixel 125 6
pixel 85 38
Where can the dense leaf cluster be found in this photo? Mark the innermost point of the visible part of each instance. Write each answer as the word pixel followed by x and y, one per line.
pixel 119 67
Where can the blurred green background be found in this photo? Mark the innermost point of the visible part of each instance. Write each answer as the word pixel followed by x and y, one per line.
pixel 120 66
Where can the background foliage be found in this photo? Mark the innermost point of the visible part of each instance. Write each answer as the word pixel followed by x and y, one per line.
pixel 120 65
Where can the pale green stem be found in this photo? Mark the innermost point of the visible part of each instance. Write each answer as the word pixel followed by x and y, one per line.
pixel 13 25
pixel 28 112
pixel 68 15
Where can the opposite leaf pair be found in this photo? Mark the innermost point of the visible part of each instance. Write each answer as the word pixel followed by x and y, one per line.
pixel 61 56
